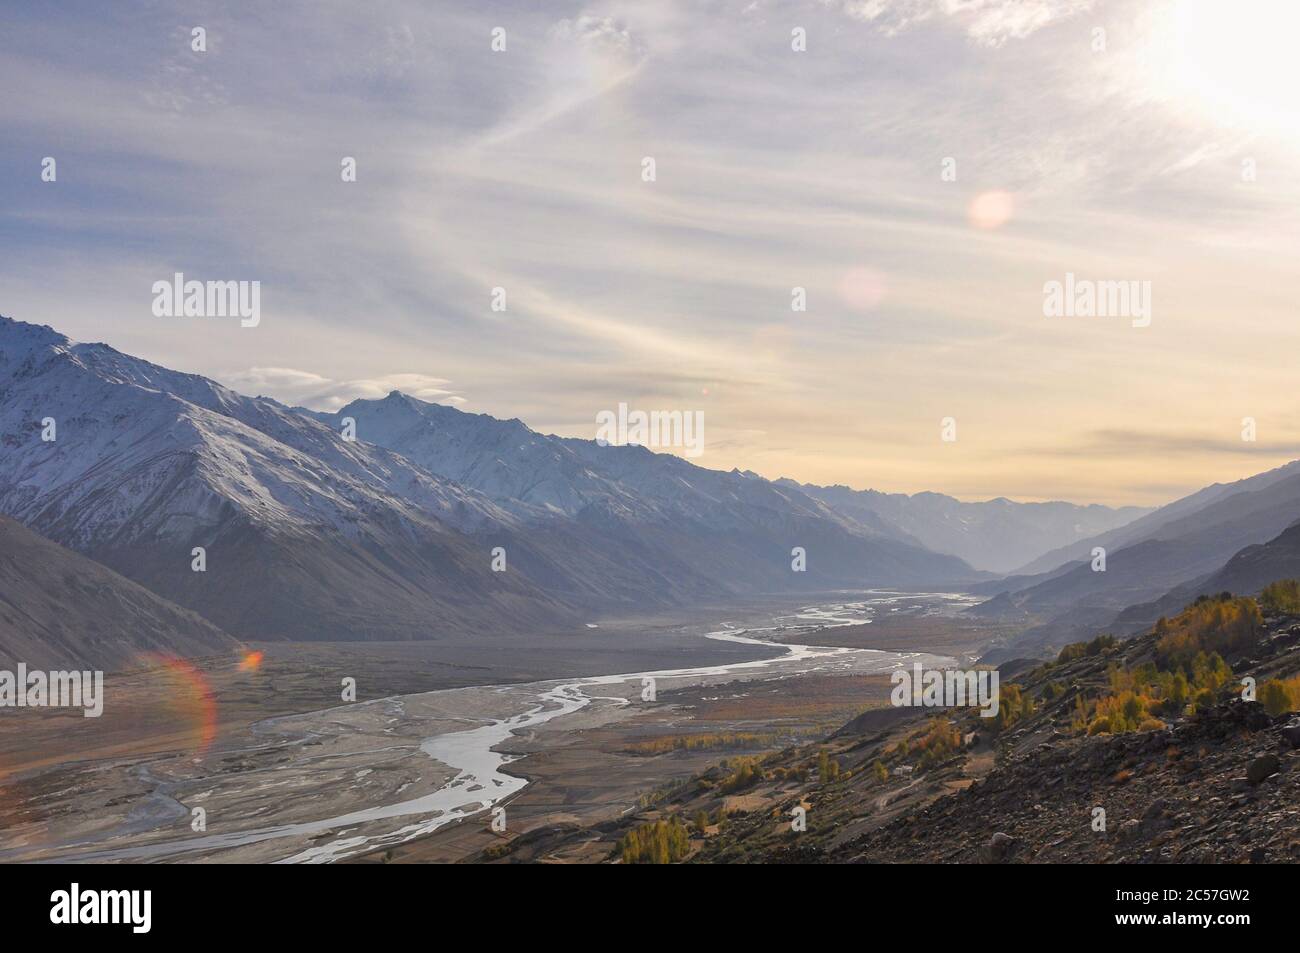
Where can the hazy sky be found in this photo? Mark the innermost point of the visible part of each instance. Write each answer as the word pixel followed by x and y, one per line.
pixel 1139 141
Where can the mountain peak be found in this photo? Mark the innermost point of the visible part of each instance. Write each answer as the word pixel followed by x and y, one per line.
pixel 18 339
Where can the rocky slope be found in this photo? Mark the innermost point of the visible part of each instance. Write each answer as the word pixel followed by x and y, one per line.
pixel 1220 788
pixel 1248 571
pixel 1214 779
pixel 1219 504
pixel 1175 547
pixel 1218 785
pixel 60 610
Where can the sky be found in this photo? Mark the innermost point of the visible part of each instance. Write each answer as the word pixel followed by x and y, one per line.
pixel 922 169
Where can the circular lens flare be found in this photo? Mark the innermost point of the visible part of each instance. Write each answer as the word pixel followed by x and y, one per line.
pixel 862 289
pixel 990 210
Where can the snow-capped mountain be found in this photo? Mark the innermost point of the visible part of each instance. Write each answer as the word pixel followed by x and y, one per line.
pixel 503 459
pixel 389 536
pixel 267 462
pixel 512 464
pixel 306 535
pixel 732 531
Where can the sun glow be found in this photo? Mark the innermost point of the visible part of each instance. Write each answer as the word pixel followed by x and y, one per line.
pixel 1236 61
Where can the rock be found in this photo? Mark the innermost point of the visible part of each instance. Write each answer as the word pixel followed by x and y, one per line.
pixel 1130 830
pixel 1262 767
pixel 1158 808
pixel 1292 735
pixel 1259 855
pixel 1000 846
pixel 1156 818
pixel 1158 740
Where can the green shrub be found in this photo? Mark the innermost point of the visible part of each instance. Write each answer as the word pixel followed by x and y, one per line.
pixel 1077 650
pixel 659 842
pixel 1281 597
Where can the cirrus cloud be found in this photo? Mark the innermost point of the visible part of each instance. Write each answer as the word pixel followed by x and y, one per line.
pixel 987 22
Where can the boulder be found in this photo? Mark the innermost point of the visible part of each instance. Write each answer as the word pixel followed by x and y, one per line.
pixel 1156 809
pixel 1262 767
pixel 1000 846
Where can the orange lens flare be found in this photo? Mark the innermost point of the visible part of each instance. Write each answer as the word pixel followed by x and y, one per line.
pixel 189 696
pixel 251 662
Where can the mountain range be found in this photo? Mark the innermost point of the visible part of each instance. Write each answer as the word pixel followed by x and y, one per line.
pixel 308 534
pixel 999 535
pixel 1225 536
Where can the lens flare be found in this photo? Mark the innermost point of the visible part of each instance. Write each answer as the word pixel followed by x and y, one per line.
pixel 187 694
pixel 251 662
pixel 863 289
pixel 990 210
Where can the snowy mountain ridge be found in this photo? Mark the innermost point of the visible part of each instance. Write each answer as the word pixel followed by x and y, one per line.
pixel 311 535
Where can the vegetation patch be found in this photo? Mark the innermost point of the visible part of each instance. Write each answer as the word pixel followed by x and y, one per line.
pixel 659 842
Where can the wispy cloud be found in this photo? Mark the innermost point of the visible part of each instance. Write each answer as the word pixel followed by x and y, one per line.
pixel 989 22
pixel 776 169
pixel 307 389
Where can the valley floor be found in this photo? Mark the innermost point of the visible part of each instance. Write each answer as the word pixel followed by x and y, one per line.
pixel 285 772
